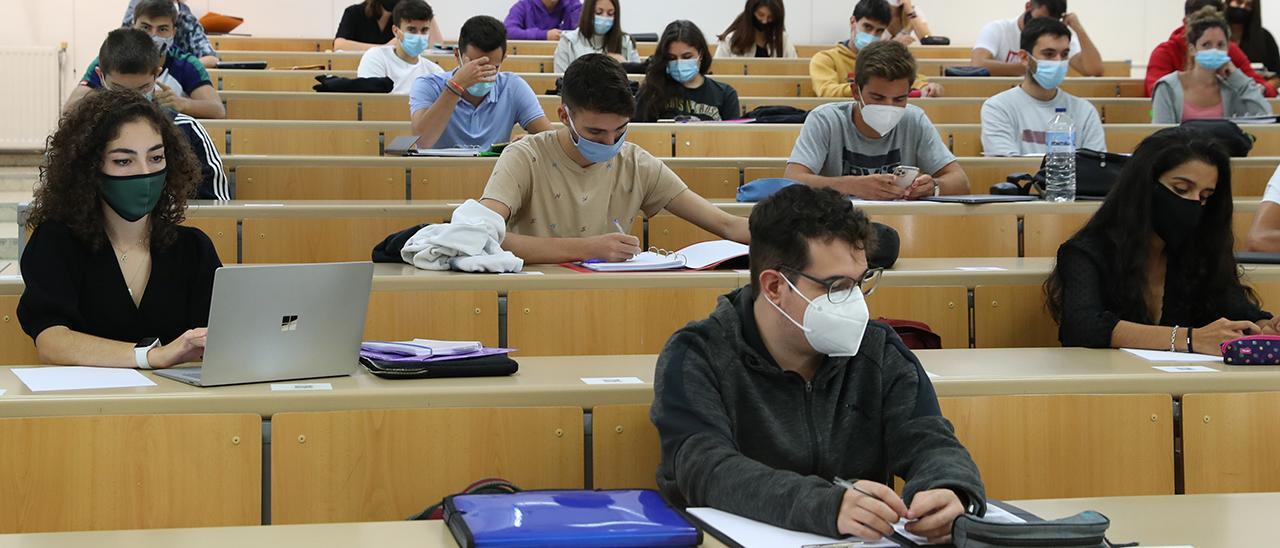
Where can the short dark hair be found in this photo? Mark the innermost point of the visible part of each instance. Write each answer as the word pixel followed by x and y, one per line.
pixel 597 83
pixel 483 33
pixel 156 9
pixel 1193 6
pixel 412 10
pixel 876 10
pixel 782 225
pixel 887 59
pixel 128 51
pixel 1057 8
pixel 1041 26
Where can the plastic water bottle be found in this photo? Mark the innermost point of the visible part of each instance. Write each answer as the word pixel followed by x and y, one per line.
pixel 1060 164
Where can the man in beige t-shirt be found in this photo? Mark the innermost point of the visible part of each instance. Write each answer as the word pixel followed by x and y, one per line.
pixel 564 193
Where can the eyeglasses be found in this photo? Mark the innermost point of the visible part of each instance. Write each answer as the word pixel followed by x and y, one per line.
pixel 840 288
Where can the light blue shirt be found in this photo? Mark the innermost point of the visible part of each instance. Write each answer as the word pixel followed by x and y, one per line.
pixel 511 102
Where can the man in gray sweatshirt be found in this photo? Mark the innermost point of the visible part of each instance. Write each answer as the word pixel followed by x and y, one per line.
pixel 787 386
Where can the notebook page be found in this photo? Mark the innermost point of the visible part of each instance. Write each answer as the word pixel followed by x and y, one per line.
pixel 704 254
pixel 644 261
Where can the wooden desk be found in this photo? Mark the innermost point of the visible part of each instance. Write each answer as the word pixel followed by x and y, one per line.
pixel 223 44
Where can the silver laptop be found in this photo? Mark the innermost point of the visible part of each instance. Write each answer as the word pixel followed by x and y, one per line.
pixel 282 322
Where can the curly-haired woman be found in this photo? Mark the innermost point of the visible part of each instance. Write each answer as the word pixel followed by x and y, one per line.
pixel 111 279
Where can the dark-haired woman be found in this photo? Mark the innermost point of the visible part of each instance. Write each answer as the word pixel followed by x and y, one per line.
pixel 1154 267
pixel 111 278
pixel 1255 41
pixel 1211 87
pixel 676 85
pixel 759 31
pixel 368 25
pixel 599 31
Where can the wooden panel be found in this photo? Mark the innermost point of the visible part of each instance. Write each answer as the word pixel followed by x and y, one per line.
pixel 441 315
pixel 1062 446
pixel 315 240
pixel 655 140
pixel 1042 234
pixel 391 109
pixel 16 348
pixel 625 448
pixel 930 236
pixel 386 465
pixel 963 140
pixel 671 233
pixel 1012 317
pixel 251 43
pixel 945 309
pixel 1250 181
pixel 712 183
pixel 1134 112
pixel 1268 292
pixel 130 472
pixel 773 142
pixel 1231 442
pixel 308 109
pixel 320 183
pixel 753 173
pixel 223 232
pixel 450 183
pixel 248 80
pixel 308 141
pixel 627 321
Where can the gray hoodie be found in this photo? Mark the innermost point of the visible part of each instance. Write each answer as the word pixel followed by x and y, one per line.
pixel 1241 96
pixel 741 434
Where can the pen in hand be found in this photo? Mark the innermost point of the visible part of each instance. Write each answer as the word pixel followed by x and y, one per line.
pixel 618 226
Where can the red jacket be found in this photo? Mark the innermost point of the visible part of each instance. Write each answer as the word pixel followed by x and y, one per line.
pixel 1171 56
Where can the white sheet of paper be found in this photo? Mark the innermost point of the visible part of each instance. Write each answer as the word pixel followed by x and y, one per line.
pixel 264 205
pixel 933 375
pixel 45 379
pixel 2 391
pixel 1185 369
pixel 1165 356
pixel 612 380
pixel 525 273
pixel 753 534
pixel 301 387
pixel 981 268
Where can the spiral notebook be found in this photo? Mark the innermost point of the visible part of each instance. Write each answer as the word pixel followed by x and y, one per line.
pixel 699 256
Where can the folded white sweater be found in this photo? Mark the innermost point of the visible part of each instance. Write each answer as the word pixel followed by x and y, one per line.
pixel 471 242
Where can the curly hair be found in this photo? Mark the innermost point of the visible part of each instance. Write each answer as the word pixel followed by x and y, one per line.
pixel 782 225
pixel 70 192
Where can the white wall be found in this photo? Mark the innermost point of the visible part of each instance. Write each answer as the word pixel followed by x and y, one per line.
pixel 1123 29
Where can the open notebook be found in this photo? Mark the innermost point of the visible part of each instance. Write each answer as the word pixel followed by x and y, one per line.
pixel 699 256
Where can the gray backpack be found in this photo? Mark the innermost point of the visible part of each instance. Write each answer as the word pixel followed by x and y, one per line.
pixel 1086 529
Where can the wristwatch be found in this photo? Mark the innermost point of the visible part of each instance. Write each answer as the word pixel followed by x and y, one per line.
pixel 141 349
pixel 937 189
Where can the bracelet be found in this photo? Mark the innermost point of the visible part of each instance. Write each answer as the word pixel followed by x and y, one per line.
pixel 1189 349
pixel 1173 338
pixel 454 87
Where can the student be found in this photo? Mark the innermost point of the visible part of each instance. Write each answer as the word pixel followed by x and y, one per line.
pixel 474 105
pixel 788 386
pixel 566 193
pixel 1212 88
pixel 1154 266
pixel 112 279
pixel 906 24
pixel 1171 56
pixel 599 31
pixel 542 19
pixel 1256 42
pixel 830 69
pixel 676 84
pixel 854 147
pixel 368 24
pixel 997 45
pixel 1264 235
pixel 182 84
pixel 401 61
pixel 190 38
pixel 1014 121
pixel 759 31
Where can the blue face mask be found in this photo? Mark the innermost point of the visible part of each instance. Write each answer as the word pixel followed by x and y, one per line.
pixel 683 70
pixel 414 44
pixel 1050 74
pixel 480 89
pixel 862 40
pixel 595 152
pixel 1212 59
pixel 603 24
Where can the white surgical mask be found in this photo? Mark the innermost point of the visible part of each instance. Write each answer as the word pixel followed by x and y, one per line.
pixel 832 329
pixel 882 118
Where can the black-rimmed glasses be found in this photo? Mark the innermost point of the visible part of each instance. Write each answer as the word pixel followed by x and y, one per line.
pixel 840 288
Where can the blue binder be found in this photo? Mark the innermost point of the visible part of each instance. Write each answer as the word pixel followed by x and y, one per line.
pixel 588 519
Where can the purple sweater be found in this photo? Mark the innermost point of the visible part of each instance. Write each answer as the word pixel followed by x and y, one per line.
pixel 530 20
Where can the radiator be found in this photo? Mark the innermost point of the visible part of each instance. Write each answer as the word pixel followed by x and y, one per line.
pixel 30 95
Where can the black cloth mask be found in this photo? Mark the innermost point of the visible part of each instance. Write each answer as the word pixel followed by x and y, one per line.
pixel 1239 16
pixel 1174 218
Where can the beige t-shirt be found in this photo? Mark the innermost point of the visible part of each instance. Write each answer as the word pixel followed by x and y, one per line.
pixel 550 195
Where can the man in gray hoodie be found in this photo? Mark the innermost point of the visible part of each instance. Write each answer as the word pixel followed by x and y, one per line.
pixel 787 386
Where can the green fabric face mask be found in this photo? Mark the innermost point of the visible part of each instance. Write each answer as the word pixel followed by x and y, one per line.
pixel 134 196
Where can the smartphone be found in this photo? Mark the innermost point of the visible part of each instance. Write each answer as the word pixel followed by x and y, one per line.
pixel 905 175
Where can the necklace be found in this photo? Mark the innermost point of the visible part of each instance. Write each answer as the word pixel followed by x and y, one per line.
pixel 130 279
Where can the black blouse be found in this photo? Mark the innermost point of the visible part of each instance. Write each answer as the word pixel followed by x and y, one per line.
pixel 355 26
pixel 1089 302
pixel 70 284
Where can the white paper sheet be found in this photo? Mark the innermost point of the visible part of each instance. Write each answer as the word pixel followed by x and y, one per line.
pixel 45 379
pixel 612 380
pixel 1185 369
pixel 2 391
pixel 703 254
pixel 1165 356
pixel 753 534
pixel 301 387
pixel 981 268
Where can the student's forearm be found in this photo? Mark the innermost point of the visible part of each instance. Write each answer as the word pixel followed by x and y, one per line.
pixel 60 345
pixel 1000 69
pixel 538 250
pixel 955 182
pixel 1263 240
pixel 1151 337
pixel 1090 58
pixel 429 123
pixel 204 109
pixel 209 61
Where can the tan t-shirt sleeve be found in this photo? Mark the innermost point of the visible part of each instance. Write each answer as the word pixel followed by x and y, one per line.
pixel 659 184
pixel 512 179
